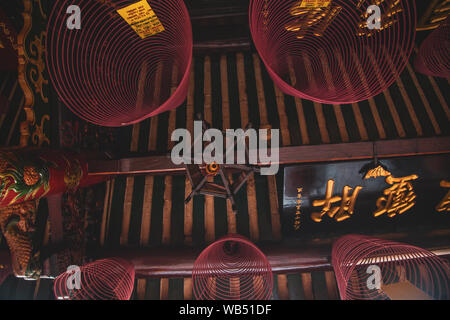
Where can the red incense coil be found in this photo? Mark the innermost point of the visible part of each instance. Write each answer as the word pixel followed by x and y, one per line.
pixel 326 54
pixel 232 268
pixel 107 279
pixel 433 58
pixel 106 74
pixel 352 255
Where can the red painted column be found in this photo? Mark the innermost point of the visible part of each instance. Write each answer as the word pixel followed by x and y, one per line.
pixel 30 174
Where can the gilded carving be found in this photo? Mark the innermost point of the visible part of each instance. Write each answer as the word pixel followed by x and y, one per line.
pixel 23 82
pixel 17 223
pixel 37 60
pixel 9 35
pixel 444 205
pixel 22 178
pixel 73 174
pixel 39 137
pixel 397 199
pixel 40 9
pixel 341 213
pixel 36 75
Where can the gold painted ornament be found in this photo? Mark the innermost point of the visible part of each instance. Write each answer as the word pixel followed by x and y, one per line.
pixel 30 176
pixel 377 172
pixel 212 169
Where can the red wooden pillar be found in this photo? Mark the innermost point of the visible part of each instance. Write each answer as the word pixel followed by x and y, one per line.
pixel 30 174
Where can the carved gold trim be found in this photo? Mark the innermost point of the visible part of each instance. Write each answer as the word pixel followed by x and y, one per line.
pixel 39 137
pixel 8 35
pixel 379 171
pixel 23 62
pixel 40 9
pixel 37 73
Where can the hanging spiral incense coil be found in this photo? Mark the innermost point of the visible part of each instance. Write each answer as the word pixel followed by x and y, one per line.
pixel 356 260
pixel 106 73
pixel 106 279
pixel 433 58
pixel 325 51
pixel 232 268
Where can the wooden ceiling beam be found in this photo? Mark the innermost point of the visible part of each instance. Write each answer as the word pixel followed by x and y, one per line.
pixel 284 258
pixel 161 164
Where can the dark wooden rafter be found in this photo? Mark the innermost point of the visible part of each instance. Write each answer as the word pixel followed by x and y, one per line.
pixel 289 155
pixel 178 262
pixel 213 29
pixel 436 12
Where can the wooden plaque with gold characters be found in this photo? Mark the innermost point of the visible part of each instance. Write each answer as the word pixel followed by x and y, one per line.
pixel 410 193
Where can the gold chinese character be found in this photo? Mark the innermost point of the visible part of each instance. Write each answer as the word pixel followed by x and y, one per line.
pixel 297 222
pixel 444 205
pixel 298 206
pixel 399 198
pixel 387 18
pixel 344 211
pixel 317 18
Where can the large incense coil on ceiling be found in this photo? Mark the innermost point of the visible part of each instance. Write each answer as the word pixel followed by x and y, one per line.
pixel 324 51
pixel 433 58
pixel 405 272
pixel 106 279
pixel 232 268
pixel 110 76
